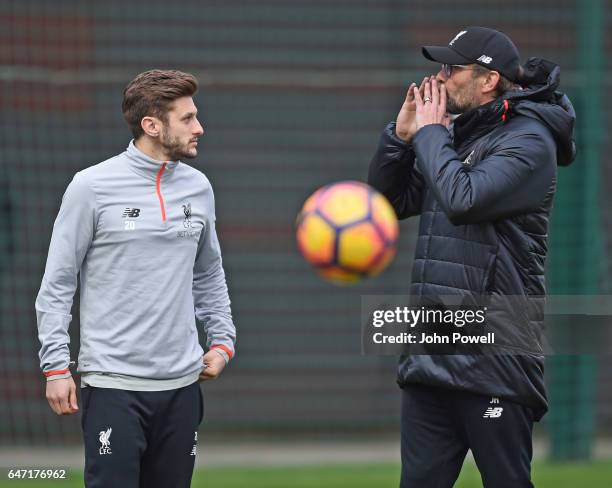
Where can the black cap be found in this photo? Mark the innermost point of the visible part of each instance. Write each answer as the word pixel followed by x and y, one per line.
pixel 480 45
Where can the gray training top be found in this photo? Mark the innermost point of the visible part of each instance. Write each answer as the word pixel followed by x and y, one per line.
pixel 141 233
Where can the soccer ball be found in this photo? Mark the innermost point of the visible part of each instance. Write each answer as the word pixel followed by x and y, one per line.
pixel 347 231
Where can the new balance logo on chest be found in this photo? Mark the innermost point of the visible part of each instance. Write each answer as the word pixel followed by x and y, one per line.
pixel 130 213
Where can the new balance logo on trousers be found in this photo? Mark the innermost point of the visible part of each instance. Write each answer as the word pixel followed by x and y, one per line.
pixel 493 412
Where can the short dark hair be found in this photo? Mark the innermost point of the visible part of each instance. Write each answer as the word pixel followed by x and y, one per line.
pixel 503 85
pixel 151 93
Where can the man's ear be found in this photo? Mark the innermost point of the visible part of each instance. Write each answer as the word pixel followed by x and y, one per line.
pixel 490 82
pixel 151 126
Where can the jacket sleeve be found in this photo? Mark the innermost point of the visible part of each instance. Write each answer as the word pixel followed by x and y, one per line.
pixel 73 232
pixel 513 179
pixel 210 295
pixel 392 172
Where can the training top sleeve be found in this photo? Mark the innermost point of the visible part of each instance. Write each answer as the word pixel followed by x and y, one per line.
pixel 210 295
pixel 73 232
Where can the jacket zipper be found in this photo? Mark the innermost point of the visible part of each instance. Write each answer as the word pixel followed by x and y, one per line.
pixel 159 194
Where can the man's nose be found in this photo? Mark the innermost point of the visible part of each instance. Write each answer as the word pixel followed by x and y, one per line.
pixel 199 129
pixel 441 76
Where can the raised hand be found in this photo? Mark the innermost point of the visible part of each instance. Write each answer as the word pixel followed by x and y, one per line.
pixel 431 105
pixel 405 126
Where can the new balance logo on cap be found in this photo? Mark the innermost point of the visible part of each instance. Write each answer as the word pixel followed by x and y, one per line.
pixel 485 59
pixel 493 413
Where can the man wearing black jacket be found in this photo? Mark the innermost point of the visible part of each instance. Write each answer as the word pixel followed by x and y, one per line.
pixel 484 186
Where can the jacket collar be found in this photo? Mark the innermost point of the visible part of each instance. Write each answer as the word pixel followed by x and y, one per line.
pixel 146 165
pixel 477 122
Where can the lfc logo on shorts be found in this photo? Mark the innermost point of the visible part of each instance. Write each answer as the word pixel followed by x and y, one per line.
pixel 105 441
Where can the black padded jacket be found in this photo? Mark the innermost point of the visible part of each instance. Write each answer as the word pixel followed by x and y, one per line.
pixel 484 191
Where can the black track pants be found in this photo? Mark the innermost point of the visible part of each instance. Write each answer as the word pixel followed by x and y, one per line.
pixel 138 439
pixel 440 425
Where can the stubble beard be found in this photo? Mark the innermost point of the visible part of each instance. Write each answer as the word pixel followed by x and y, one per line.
pixel 462 101
pixel 174 148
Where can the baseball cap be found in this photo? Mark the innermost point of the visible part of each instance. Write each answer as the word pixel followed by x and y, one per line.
pixel 480 45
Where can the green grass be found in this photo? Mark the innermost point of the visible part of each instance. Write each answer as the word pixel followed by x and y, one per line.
pixel 546 475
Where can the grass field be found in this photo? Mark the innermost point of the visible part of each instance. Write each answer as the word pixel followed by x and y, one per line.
pixel 591 475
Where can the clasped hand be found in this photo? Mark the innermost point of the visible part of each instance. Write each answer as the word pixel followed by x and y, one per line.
pixel 431 108
pixel 423 105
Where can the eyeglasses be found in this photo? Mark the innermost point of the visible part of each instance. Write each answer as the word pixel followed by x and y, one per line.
pixel 448 68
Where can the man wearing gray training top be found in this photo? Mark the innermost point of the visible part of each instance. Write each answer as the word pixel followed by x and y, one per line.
pixel 139 229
